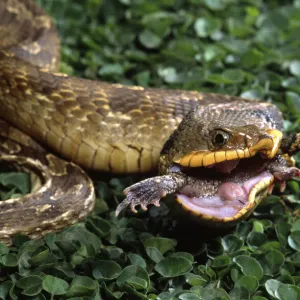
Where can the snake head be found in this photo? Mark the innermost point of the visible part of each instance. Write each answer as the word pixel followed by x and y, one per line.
pixel 218 133
pixel 226 144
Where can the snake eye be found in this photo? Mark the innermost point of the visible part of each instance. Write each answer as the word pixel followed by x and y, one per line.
pixel 220 138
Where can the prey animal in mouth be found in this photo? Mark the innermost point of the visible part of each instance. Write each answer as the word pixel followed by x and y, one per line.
pixel 220 162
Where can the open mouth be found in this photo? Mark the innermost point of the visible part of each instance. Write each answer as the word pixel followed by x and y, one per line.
pixel 217 189
pixel 230 190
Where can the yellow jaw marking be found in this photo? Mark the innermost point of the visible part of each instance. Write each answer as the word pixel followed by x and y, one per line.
pixel 276 136
pixel 268 146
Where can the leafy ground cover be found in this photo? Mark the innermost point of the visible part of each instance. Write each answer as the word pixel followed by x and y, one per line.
pixel 248 48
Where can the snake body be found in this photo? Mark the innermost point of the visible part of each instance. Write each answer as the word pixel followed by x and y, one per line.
pixel 98 125
pixel 93 124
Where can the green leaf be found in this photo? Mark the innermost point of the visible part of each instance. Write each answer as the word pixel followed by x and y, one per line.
pixel 133 272
pixel 68 248
pixel 292 84
pixel 293 101
pixel 106 270
pixel 42 257
pixel 161 244
pixel 138 283
pixel 210 293
pixel 296 226
pixel 256 93
pixel 3 249
pixel 248 282
pixel 169 75
pixel 137 260
pixel 233 75
pixel 256 239
pixel 294 240
pixel 221 261
pixel 231 243
pixel 239 293
pixel 189 296
pixel 19 239
pixel 81 286
pixel 215 4
pixel 218 79
pixel 272 286
pixel 288 292
pixel 258 227
pixel 65 269
pixel 249 266
pixel 282 231
pixel 79 234
pixel 295 68
pixel 6 289
pixel 252 58
pixel 97 225
pixel 9 260
pixel 193 279
pixel 111 69
pixel 54 285
pixel 173 266
pixel 213 53
pixel 154 254
pixel 31 285
pixel 149 39
pixel 271 261
pixel 18 180
pixel 185 255
pixel 204 27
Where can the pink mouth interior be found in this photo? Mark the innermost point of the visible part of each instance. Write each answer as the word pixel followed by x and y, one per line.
pixel 229 199
pixel 225 166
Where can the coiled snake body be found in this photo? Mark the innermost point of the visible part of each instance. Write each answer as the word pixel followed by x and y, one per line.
pixel 107 127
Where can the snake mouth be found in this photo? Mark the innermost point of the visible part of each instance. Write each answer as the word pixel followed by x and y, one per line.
pixel 227 191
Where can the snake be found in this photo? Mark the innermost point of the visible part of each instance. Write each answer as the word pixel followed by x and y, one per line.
pixel 219 154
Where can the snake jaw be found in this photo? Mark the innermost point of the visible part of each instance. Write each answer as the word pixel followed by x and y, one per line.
pixel 267 145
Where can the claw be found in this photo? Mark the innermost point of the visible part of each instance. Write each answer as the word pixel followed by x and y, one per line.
pixel 282 186
pixel 148 191
pixel 270 189
pixel 156 203
pixel 144 207
pixel 132 207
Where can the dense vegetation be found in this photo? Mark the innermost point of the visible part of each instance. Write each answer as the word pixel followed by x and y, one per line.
pixel 248 48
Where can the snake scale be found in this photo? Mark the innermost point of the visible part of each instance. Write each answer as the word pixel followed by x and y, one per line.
pixel 120 129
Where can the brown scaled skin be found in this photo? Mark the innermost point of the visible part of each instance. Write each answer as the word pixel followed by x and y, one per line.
pixel 52 205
